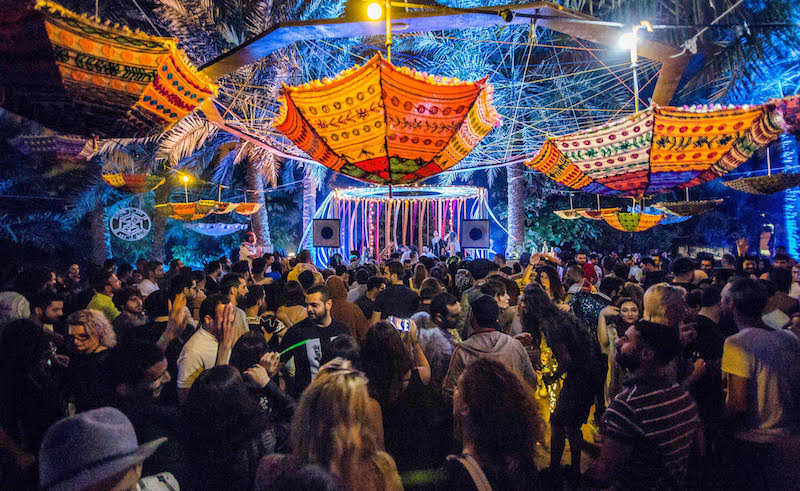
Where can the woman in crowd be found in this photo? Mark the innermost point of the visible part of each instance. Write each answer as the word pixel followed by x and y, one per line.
pixel 498 425
pixel 92 336
pixel 611 325
pixel 415 424
pixel 420 273
pixel 664 304
pixel 331 428
pixel 293 307
pixel 547 277
pixel 346 312
pixel 225 432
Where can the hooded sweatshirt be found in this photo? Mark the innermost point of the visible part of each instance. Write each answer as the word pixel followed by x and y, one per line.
pixel 495 346
pixel 346 312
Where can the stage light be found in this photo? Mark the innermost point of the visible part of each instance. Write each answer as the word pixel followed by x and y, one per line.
pixel 185 178
pixel 627 40
pixel 374 11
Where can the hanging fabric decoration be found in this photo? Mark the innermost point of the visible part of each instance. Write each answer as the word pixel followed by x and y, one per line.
pixel 187 211
pixel 55 147
pixel 77 75
pixel 687 208
pixel 571 214
pixel 388 125
pixel 771 184
pixel 133 183
pixel 658 149
pixel 216 229
pixel 631 222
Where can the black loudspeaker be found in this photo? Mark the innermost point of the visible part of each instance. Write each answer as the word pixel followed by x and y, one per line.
pixel 475 234
pixel 326 232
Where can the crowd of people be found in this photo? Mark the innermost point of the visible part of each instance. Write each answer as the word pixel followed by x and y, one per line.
pixel 416 371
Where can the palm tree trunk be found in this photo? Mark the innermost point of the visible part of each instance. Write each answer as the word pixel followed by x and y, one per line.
pixel 516 207
pixel 309 200
pixel 259 221
pixel 101 240
pixel 160 225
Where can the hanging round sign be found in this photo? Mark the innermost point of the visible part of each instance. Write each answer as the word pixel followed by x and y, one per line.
pixel 130 224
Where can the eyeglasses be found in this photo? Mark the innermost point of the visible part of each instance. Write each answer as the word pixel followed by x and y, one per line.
pixel 80 337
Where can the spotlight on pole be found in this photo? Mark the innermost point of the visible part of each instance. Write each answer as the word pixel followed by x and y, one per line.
pixel 374 11
pixel 185 178
pixel 627 40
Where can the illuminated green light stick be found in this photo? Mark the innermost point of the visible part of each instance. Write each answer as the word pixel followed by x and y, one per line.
pixel 290 348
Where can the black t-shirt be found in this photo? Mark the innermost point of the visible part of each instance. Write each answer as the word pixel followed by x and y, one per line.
pixel 397 300
pixel 525 476
pixel 366 305
pixel 307 357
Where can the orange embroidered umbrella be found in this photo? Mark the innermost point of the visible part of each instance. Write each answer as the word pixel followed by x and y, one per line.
pixel 631 222
pixel 223 207
pixel 658 149
pixel 76 75
pixel 187 211
pixel 133 183
pixel 387 125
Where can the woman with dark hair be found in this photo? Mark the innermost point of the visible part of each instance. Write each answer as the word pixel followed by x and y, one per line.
pixel 496 418
pixel 548 278
pixel 578 356
pixel 225 433
pixel 612 323
pixel 420 273
pixel 293 306
pixel 416 426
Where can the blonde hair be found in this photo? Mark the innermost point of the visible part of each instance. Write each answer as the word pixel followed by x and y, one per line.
pixel 664 304
pixel 331 428
pixel 96 324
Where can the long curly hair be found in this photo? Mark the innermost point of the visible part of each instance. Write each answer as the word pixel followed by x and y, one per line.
pixel 331 428
pixel 96 324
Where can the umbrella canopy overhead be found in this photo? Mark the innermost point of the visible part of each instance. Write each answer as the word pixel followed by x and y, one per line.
pixel 631 222
pixel 687 208
pixel 223 207
pixel 383 124
pixel 133 183
pixel 76 75
pixel 771 184
pixel 187 211
pixel 658 149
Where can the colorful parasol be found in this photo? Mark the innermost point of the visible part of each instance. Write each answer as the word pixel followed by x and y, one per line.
pixel 571 214
pixel 187 212
pixel 383 124
pixel 76 75
pixel 789 107
pixel 658 149
pixel 687 208
pixel 631 222
pixel 224 207
pixel 668 219
pixel 216 229
pixel 770 184
pixel 55 146
pixel 133 183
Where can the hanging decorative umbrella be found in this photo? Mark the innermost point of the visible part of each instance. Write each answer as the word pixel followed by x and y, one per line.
pixel 571 214
pixel 55 146
pixel 769 184
pixel 76 75
pixel 789 107
pixel 687 208
pixel 631 222
pixel 133 183
pixel 187 212
pixel 216 229
pixel 668 219
pixel 383 124
pixel 658 149
pixel 224 207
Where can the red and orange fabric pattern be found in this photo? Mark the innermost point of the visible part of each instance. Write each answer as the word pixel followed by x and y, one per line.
pixel 658 149
pixel 383 124
pixel 631 222
pixel 187 212
pixel 133 183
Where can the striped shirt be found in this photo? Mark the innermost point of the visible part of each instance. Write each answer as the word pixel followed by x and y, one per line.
pixel 660 422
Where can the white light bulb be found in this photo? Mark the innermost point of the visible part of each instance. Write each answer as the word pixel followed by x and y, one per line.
pixel 374 11
pixel 627 40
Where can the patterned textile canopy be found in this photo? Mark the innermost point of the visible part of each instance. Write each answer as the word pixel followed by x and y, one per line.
pixel 668 219
pixel 790 109
pixel 76 75
pixel 223 207
pixel 772 184
pixel 216 229
pixel 658 149
pixel 631 222
pixel 383 124
pixel 571 214
pixel 187 211
pixel 687 208
pixel 54 146
pixel 133 183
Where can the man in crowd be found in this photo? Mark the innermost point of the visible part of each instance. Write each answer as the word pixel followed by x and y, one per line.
pixel 487 342
pixel 683 273
pixel 213 272
pixel 707 265
pixel 397 299
pixel 153 273
pixel 439 338
pixel 761 405
pixel 359 288
pixel 651 428
pixel 211 345
pixel 310 338
pixel 129 302
pixel 587 306
pixel 235 288
pixel 366 302
pixel 47 308
pixel 652 272
pixel 105 285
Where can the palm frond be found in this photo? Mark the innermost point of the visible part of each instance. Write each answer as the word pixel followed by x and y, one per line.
pixel 185 138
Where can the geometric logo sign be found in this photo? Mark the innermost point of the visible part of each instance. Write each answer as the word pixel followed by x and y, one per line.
pixel 130 224
pixel 326 232
pixel 475 234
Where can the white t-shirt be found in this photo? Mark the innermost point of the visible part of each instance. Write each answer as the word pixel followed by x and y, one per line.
pixel 198 354
pixel 636 272
pixel 146 287
pixel 246 250
pixel 794 292
pixel 769 361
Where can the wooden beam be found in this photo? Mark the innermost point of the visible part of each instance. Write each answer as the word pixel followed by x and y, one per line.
pixel 547 15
